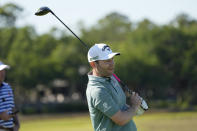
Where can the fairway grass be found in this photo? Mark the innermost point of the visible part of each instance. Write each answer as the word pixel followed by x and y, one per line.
pixel 184 121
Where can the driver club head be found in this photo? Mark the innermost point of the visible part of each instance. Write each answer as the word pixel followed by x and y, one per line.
pixel 43 11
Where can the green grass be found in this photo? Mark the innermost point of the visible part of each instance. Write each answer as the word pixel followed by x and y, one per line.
pixel 185 121
pixel 56 123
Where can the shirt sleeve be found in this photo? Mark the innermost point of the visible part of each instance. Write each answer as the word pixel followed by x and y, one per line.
pixel 103 101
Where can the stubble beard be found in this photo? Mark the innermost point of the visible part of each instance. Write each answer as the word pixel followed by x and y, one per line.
pixel 104 72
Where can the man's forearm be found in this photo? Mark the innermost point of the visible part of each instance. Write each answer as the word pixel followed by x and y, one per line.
pixel 123 117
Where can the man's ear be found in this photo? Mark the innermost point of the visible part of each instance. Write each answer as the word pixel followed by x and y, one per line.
pixel 92 64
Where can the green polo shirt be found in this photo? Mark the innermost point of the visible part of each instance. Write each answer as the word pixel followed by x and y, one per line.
pixel 105 98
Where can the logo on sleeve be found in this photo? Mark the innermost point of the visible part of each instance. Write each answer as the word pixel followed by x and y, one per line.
pixel 104 129
pixel 106 107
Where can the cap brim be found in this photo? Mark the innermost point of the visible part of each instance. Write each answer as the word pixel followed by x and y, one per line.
pixel 2 67
pixel 110 56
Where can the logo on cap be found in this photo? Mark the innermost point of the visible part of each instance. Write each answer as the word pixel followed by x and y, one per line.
pixel 105 47
pixel 94 58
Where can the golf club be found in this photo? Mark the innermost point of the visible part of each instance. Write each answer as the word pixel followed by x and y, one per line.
pixel 45 10
pixel 144 105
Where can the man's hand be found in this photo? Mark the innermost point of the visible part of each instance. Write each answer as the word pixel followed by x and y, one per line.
pixel 123 117
pixel 16 128
pixel 16 123
pixel 135 101
pixel 5 116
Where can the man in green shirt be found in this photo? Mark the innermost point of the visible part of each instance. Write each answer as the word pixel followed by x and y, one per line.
pixel 106 99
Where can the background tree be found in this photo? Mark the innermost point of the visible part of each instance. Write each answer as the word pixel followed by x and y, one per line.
pixel 158 61
pixel 9 14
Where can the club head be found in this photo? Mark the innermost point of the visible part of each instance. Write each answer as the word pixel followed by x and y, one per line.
pixel 43 11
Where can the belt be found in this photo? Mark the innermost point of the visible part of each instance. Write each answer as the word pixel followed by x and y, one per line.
pixel 6 129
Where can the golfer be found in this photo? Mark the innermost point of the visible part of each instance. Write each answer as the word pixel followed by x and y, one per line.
pixel 8 121
pixel 106 99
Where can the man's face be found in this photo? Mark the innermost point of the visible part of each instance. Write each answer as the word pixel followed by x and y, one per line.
pixel 105 67
pixel 2 76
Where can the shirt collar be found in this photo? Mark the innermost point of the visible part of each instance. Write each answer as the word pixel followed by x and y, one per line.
pixel 98 78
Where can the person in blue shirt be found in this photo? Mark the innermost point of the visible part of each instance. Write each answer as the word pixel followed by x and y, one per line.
pixel 8 120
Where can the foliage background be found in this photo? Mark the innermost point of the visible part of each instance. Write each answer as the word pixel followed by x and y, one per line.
pixel 158 61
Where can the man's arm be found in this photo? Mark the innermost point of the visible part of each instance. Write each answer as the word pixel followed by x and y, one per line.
pixel 123 117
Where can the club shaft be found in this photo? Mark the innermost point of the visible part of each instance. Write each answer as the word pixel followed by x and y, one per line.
pixel 126 88
pixel 70 30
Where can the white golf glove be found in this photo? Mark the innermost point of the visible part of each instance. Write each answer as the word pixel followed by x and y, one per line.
pixel 142 108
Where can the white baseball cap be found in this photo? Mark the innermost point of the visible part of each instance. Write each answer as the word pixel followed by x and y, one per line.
pixel 100 51
pixel 3 66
